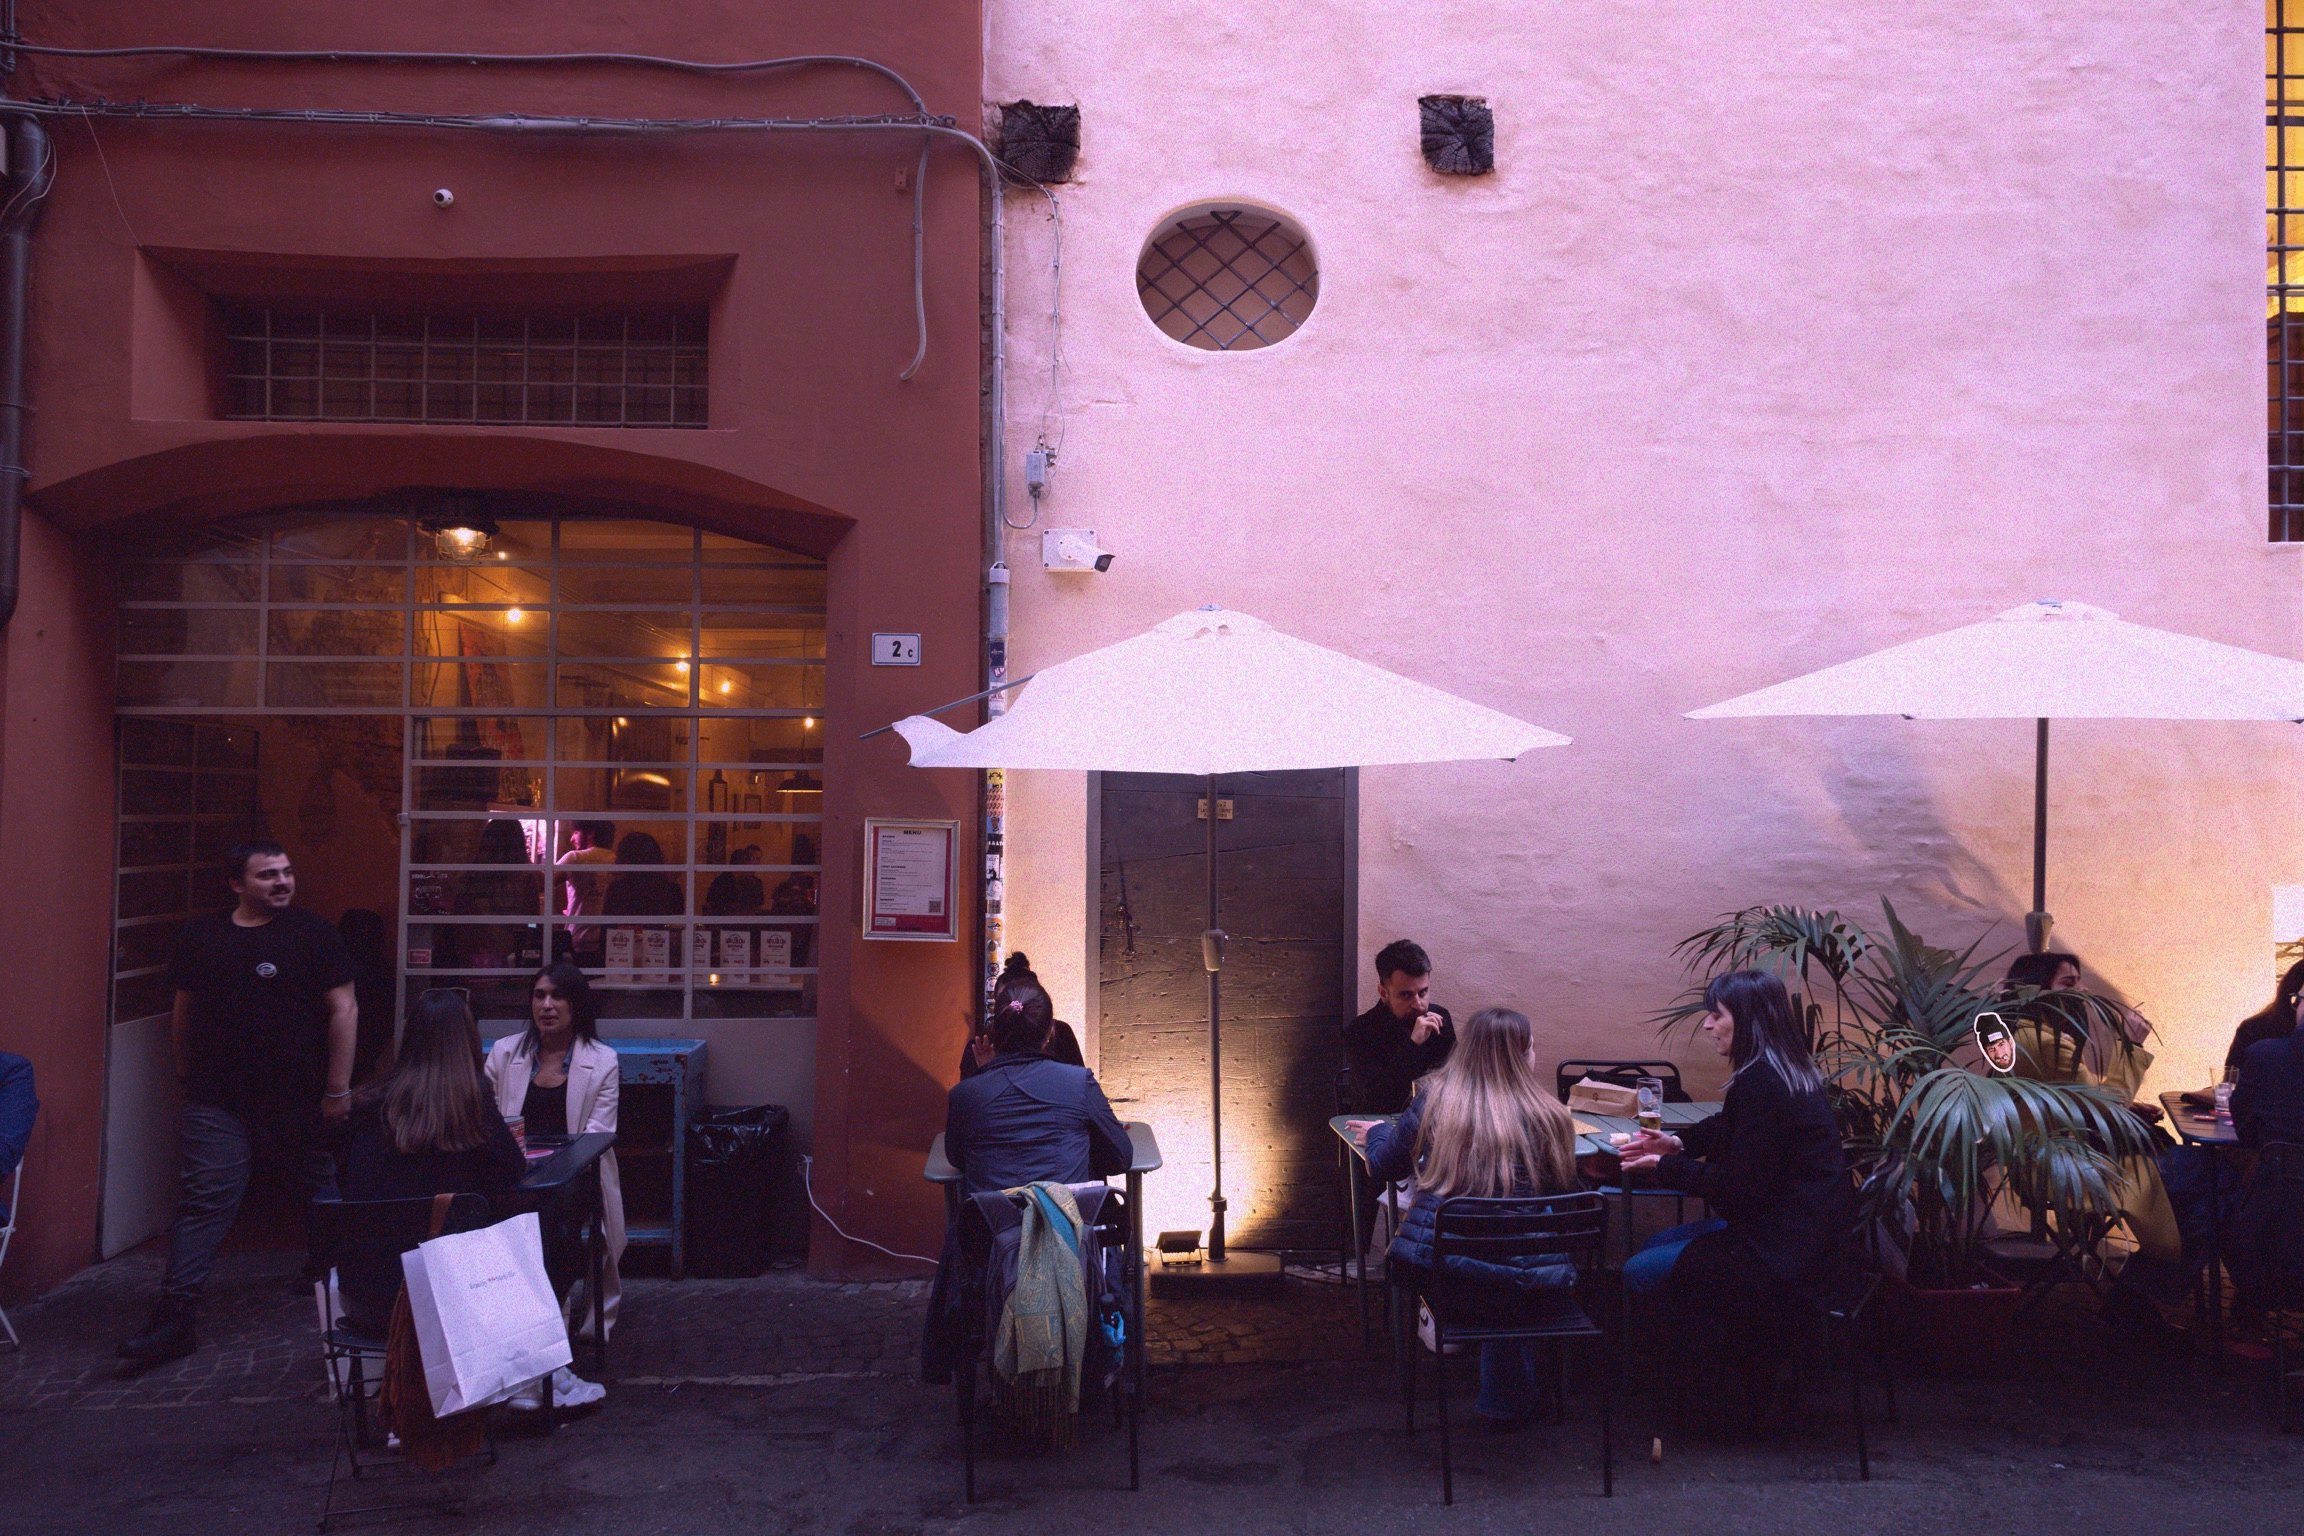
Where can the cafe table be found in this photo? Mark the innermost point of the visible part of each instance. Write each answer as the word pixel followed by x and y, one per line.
pixel 2197 1127
pixel 1592 1133
pixel 1144 1158
pixel 570 1171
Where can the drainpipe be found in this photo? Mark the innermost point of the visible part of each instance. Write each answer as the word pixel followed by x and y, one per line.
pixel 37 160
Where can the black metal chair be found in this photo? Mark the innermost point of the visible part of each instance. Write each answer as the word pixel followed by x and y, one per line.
pixel 1627 1074
pixel 1838 1320
pixel 2273 1209
pixel 1501 1231
pixel 1104 1216
pixel 391 1226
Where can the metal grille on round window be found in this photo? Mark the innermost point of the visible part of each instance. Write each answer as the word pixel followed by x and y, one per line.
pixel 1228 279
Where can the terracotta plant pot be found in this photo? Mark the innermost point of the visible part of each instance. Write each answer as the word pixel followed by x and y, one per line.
pixel 1960 1330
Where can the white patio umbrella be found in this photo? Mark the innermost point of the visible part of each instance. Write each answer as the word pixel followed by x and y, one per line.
pixel 2046 660
pixel 1215 692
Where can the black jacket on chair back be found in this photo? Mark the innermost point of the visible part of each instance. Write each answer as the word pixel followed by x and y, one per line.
pixel 1025 1118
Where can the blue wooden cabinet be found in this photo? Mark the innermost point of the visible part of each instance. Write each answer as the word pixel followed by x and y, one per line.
pixel 651 1144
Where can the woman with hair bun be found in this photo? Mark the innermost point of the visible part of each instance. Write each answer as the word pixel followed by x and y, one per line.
pixel 1057 1042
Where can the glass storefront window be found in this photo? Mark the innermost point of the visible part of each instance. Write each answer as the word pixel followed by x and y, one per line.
pixel 609 735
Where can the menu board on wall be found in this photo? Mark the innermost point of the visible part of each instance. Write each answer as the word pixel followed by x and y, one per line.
pixel 909 888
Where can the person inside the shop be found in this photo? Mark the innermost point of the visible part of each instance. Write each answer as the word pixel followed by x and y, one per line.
pixel 1061 1045
pixel 1484 1125
pixel 1769 1163
pixel 559 1079
pixel 645 892
pixel 736 892
pixel 1022 1119
pixel 590 845
pixel 263 1032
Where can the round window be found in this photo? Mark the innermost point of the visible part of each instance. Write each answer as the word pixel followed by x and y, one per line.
pixel 1228 279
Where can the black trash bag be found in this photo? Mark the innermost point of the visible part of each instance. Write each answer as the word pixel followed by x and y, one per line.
pixel 733 1156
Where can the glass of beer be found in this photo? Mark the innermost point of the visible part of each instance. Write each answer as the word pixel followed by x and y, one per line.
pixel 1650 1092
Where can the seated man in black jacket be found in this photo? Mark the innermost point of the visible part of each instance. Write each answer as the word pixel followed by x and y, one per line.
pixel 1403 1037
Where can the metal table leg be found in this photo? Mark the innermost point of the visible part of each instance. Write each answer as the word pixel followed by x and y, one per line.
pixel 1359 1261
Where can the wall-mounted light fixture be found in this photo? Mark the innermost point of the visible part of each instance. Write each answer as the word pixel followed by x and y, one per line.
pixel 460 530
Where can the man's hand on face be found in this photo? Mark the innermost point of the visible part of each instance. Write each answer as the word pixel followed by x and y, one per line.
pixel 1427 1025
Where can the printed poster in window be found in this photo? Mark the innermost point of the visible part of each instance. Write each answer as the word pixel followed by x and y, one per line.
pixel 909 885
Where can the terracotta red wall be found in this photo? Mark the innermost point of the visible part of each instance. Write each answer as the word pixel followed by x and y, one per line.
pixel 800 244
pixel 56 788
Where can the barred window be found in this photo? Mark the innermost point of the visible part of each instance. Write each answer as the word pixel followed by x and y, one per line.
pixel 1230 279
pixel 564 368
pixel 2284 261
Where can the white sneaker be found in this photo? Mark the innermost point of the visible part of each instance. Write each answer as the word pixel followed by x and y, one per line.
pixel 528 1397
pixel 570 1390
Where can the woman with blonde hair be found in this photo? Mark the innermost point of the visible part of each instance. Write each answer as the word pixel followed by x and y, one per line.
pixel 1485 1124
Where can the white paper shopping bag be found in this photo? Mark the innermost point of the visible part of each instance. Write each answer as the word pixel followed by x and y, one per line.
pixel 486 1319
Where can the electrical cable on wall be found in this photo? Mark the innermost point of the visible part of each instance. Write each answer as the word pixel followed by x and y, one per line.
pixel 808 1183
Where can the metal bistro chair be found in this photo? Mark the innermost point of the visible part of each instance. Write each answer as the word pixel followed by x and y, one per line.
pixel 2277 1192
pixel 985 1219
pixel 1497 1231
pixel 395 1226
pixel 1838 1320
pixel 9 1209
pixel 1627 1074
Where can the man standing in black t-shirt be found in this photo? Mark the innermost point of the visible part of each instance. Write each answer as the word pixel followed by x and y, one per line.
pixel 263 1032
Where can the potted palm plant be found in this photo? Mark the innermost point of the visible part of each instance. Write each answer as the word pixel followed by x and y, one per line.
pixel 1892 1018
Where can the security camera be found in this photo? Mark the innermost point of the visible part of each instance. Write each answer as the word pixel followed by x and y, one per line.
pixel 1073 549
pixel 443 198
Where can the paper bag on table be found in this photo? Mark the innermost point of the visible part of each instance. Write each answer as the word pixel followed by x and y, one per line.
pixel 1592 1097
pixel 485 1317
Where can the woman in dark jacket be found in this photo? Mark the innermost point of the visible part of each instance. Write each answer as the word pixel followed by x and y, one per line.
pixel 1769 1163
pixel 1485 1124
pixel 428 1129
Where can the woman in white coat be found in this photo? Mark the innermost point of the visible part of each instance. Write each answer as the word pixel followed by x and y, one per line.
pixel 558 1077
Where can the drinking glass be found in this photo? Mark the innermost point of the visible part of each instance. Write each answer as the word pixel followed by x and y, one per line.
pixel 2224 1086
pixel 1650 1095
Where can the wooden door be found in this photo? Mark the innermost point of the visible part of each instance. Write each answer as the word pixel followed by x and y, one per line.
pixel 1286 892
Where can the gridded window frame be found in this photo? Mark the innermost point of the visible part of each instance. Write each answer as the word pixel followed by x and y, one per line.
pixel 549 368
pixel 2284 265
pixel 1228 279
pixel 784 782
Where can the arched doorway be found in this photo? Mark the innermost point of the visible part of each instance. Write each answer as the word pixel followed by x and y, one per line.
pixel 585 736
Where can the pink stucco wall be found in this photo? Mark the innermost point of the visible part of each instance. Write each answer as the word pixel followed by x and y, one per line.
pixel 1781 333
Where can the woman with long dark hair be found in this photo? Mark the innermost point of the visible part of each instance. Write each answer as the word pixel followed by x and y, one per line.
pixel 1486 1124
pixel 559 1078
pixel 2276 1020
pixel 1769 1163
pixel 426 1129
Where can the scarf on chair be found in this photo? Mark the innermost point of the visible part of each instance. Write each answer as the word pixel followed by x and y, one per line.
pixel 1042 1338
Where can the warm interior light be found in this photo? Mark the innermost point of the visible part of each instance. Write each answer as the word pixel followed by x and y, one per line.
pixel 808 724
pixel 621 721
pixel 727 686
pixel 513 615
pixel 680 666
pixel 503 554
pixel 463 540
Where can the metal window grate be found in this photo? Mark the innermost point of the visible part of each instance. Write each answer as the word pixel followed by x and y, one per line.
pixel 564 368
pixel 1229 280
pixel 2284 262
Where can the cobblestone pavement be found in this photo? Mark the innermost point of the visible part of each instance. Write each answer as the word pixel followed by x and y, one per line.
pixel 258 1340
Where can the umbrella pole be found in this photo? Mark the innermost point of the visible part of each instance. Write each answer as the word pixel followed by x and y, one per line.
pixel 1212 956
pixel 2037 922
